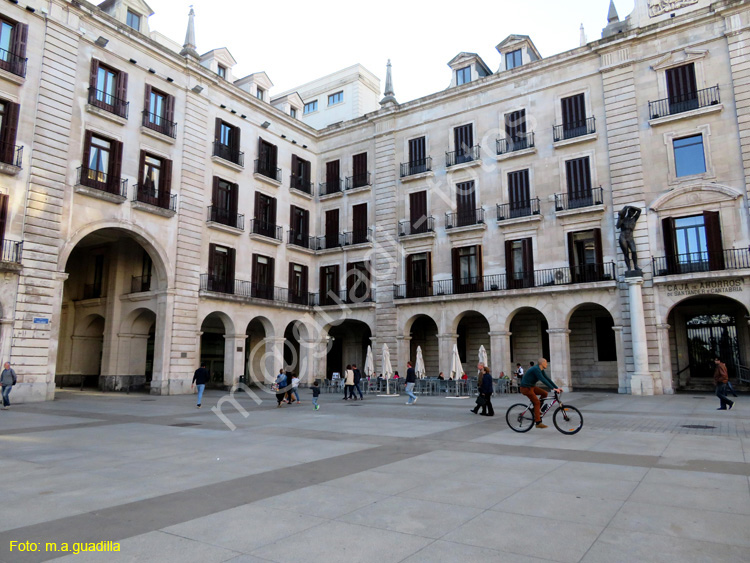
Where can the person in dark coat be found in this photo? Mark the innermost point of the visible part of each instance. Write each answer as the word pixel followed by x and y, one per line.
pixel 280 384
pixel 721 378
pixel 411 381
pixel 357 379
pixel 486 388
pixel 200 378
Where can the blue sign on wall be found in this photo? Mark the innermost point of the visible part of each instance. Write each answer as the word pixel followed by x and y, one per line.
pixel 41 321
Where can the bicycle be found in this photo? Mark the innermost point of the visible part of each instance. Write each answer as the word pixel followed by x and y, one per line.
pixel 567 419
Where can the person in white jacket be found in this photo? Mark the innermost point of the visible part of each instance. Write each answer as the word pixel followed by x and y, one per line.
pixel 349 384
pixel 295 385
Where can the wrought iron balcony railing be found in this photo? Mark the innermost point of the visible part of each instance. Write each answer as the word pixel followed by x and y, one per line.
pixel 361 293
pixel 102 181
pixel 332 187
pixel 517 209
pixel 157 123
pixel 358 181
pixel 108 102
pixel 13 63
pixel 360 236
pixel 693 262
pixel 12 251
pixel 518 143
pixel 416 167
pixel 230 154
pixel 464 218
pixel 467 154
pixel 11 154
pixel 686 102
pixel 302 240
pixel 266 229
pixel 580 199
pixel 225 217
pixel 421 226
pixel 301 183
pixel 327 242
pixel 574 129
pixel 265 169
pixel 146 194
pixel 268 292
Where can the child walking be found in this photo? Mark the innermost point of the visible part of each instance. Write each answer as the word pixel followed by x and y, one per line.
pixel 295 385
pixel 316 393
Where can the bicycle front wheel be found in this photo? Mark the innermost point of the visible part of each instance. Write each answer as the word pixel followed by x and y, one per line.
pixel 568 420
pixel 520 417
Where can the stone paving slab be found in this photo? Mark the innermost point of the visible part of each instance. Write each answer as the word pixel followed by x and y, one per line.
pixel 377 481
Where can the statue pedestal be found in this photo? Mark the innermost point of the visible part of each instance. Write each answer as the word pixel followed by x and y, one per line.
pixel 641 381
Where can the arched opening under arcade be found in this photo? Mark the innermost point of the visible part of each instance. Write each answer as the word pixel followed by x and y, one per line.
pixel 529 339
pixel 214 346
pixel 106 340
pixel 424 334
pixel 348 343
pixel 257 332
pixel 593 350
pixel 702 327
pixel 473 332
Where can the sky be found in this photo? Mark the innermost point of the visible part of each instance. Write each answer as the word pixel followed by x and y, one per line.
pixel 295 42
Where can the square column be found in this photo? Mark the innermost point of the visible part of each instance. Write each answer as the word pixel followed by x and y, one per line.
pixel 622 366
pixel 445 345
pixel 234 358
pixel 403 349
pixel 559 350
pixel 500 353
pixel 160 384
pixel 665 360
pixel 273 358
pixel 641 381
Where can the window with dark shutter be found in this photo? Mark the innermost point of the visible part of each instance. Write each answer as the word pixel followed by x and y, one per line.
pixel 267 159
pixel 574 115
pixel 519 263
pixel 332 228
pixel 221 269
pixel 263 277
pixel 227 142
pixel 359 224
pixel 329 285
pixel 298 292
pixel 154 180
pixel 9 113
pixel 418 155
pixel 682 90
pixel 466 204
pixel 4 198
pixel 578 177
pixel 359 165
pixel 158 113
pixel 225 202
pixel 463 141
pixel 519 193
pixel 301 174
pixel 418 212
pixel 357 282
pixel 108 88
pixel 515 130
pixel 333 177
pixel 102 163
pixel 585 256
pixel 13 39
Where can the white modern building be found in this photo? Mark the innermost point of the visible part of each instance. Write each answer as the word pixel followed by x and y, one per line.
pixel 158 211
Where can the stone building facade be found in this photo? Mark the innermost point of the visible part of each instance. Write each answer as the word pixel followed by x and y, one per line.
pixel 158 212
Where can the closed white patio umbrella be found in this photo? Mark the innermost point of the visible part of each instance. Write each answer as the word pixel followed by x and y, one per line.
pixel 369 363
pixel 457 370
pixel 419 365
pixel 387 370
pixel 483 356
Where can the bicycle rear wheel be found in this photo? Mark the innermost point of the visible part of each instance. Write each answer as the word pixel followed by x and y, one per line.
pixel 568 420
pixel 520 417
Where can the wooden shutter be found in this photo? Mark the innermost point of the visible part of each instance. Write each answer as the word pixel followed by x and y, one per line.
pixel 409 275
pixel 519 194
pixel 231 256
pixel 93 75
pixel 271 275
pixel 322 285
pixel 465 204
pixel 3 217
pixel 336 282
pixel 572 256
pixel 351 278
pixel 234 197
pixel 142 172
pixel 20 38
pixel 463 138
pixel 147 102
pixel 332 223
pixel 670 246
pixel 359 218
pixel 295 168
pixel 712 223
pixel 290 283
pixel 598 249
pixel 305 222
pixel 681 84
pixel 272 213
pixel 122 93
pixel 417 150
pixel 115 167
pixel 515 125
pixel 578 176
pixel 86 150
pixel 215 192
pixel 332 175
pixel 360 164
pixel 169 115
pixel 255 275
pixel 165 193
pixel 574 111
pixel 258 208
pixel 9 132
pixel 528 262
pixel 211 261
pixel 418 211
pixel 480 268
pixel 236 139
pixel 304 283
pixel 274 158
pixel 456 267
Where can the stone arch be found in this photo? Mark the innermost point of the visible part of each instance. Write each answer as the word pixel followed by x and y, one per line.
pixel 135 321
pixel 529 339
pixel 423 332
pixel 159 257
pixel 718 192
pixel 411 320
pixel 225 319
pixel 577 306
pixel 593 347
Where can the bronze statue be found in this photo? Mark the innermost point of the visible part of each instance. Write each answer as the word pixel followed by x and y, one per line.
pixel 626 223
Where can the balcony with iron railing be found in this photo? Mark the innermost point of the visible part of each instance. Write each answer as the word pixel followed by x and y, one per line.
pixel 361 293
pixel 266 229
pixel 158 123
pixel 360 236
pixel 522 141
pixel 108 102
pixel 302 240
pixel 11 154
pixel 12 251
pixel 358 181
pixel 701 262
pixel 422 226
pixel 301 183
pixel 226 217
pixel 229 153
pixel 331 241
pixel 140 284
pixel 685 102
pixel 414 167
pixel 579 199
pixel 103 182
pixel 518 209
pixel 151 196
pixel 462 156
pixel 264 168
pixel 574 129
pixel 331 187
pixel 254 290
pixel 93 291
pixel 465 218
pixel 564 276
pixel 13 63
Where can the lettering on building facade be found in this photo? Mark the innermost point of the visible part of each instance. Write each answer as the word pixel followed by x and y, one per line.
pixel 705 288
pixel 659 7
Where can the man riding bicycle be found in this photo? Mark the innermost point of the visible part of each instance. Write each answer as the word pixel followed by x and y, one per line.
pixel 528 387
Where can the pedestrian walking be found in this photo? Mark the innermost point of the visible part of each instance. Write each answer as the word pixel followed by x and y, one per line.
pixel 295 385
pixel 200 378
pixel 349 383
pixel 357 379
pixel 316 394
pixel 720 379
pixel 279 386
pixel 486 389
pixel 411 380
pixel 7 379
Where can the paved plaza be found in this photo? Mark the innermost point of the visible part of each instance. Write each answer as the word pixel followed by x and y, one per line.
pixel 647 479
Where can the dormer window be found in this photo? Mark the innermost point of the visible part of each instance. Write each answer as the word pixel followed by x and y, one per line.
pixel 259 93
pixel 221 71
pixel 463 75
pixel 293 113
pixel 133 20
pixel 513 59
